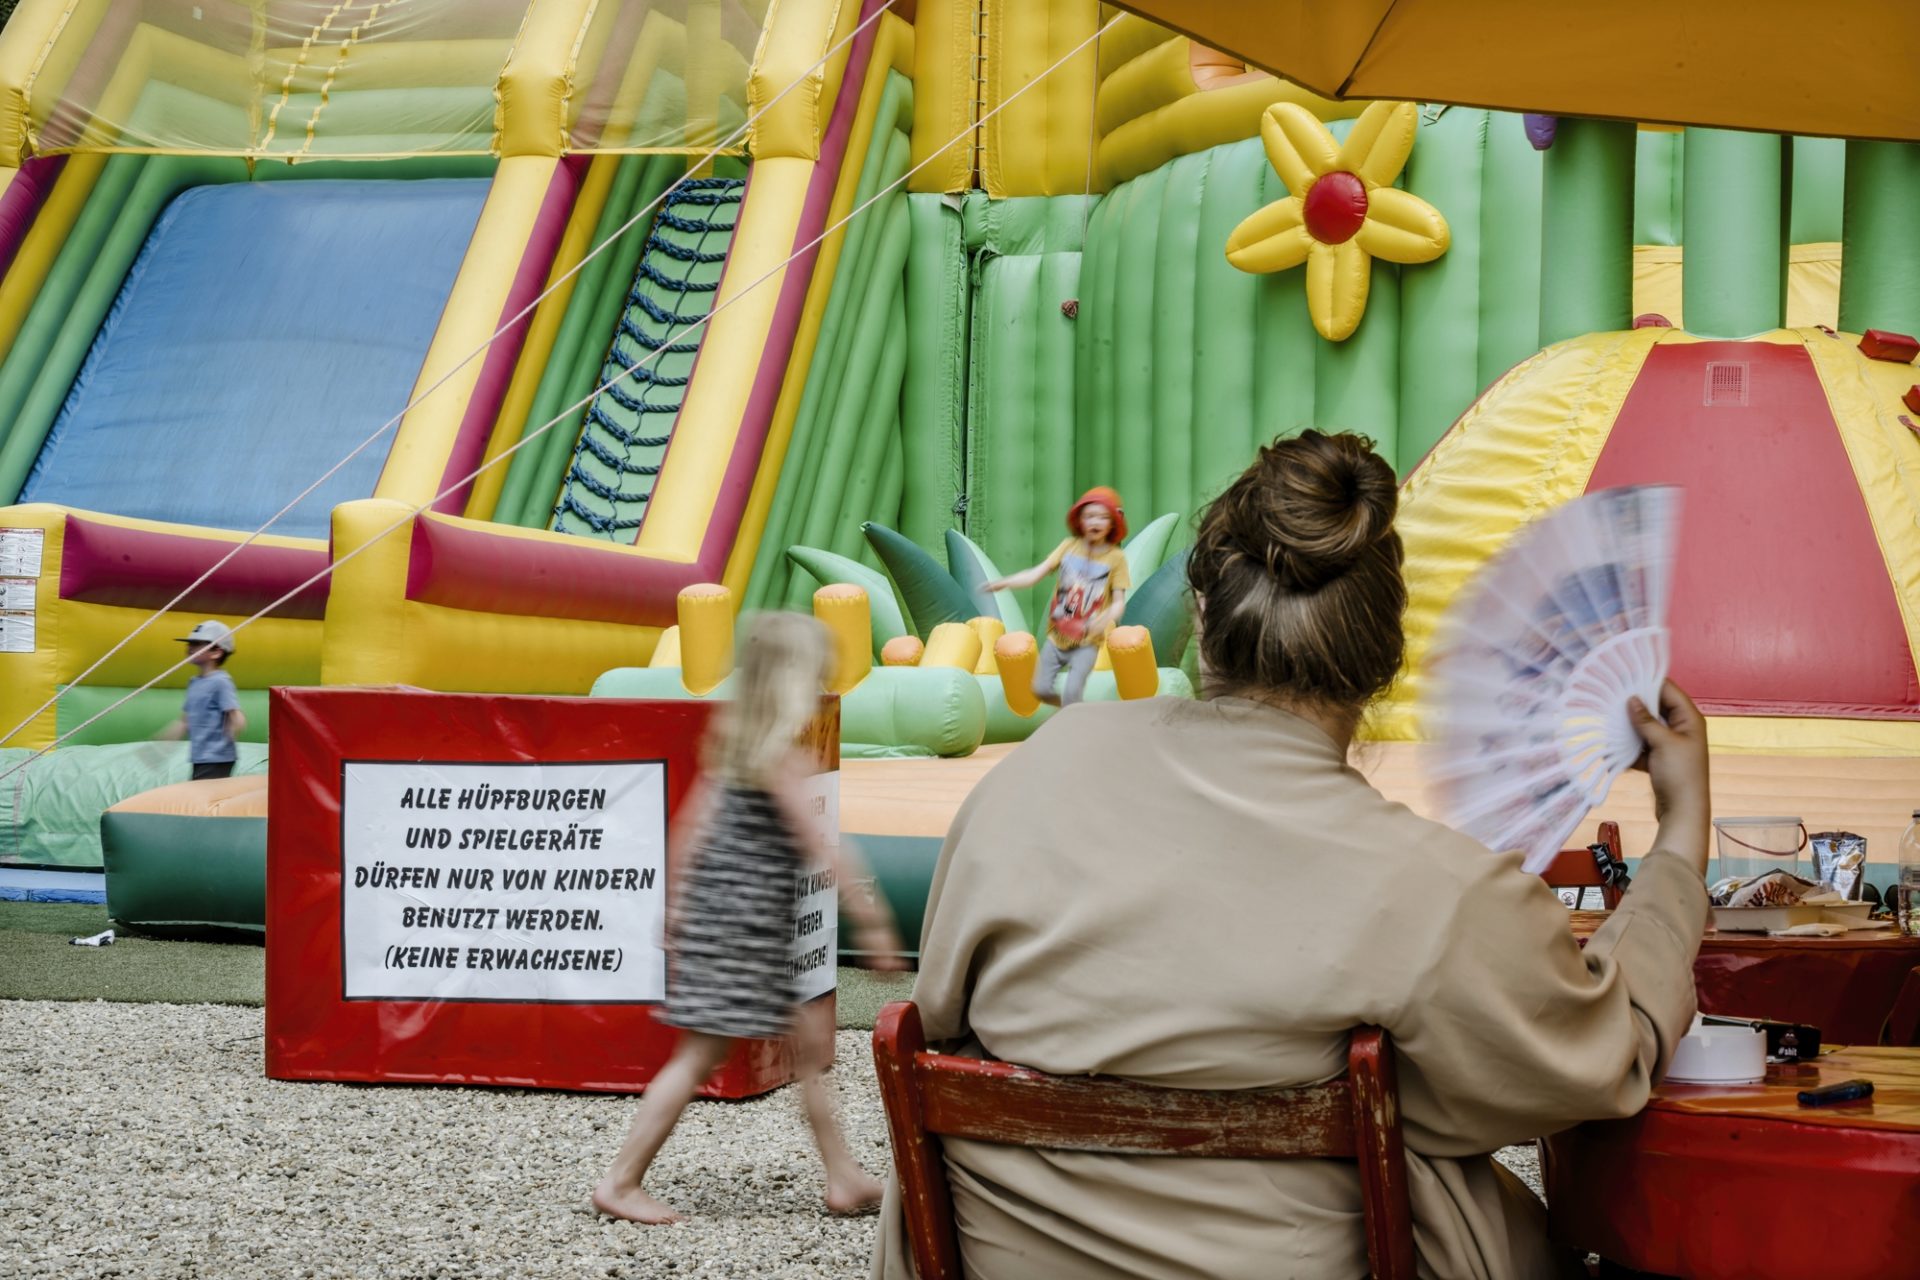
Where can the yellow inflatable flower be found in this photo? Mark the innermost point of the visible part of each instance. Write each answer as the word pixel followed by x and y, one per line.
pixel 1344 210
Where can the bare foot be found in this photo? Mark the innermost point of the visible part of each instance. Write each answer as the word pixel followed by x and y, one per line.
pixel 853 1196
pixel 634 1205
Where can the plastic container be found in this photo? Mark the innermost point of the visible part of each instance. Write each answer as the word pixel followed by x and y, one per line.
pixel 1750 847
pixel 1710 1054
pixel 1906 884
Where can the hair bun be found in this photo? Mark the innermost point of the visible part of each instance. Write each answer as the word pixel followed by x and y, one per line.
pixel 1296 569
pixel 1318 502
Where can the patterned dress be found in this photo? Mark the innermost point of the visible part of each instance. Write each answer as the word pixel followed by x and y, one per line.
pixel 731 944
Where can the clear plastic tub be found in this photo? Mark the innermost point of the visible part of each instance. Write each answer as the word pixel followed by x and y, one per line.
pixel 1750 847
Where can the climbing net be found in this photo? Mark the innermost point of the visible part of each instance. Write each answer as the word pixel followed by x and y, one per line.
pixel 673 290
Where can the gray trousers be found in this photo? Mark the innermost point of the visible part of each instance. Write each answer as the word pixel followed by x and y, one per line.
pixel 1077 663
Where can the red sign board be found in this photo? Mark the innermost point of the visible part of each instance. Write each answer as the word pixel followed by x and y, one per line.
pixel 468 889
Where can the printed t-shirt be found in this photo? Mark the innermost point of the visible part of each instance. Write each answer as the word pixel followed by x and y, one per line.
pixel 1085 587
pixel 209 698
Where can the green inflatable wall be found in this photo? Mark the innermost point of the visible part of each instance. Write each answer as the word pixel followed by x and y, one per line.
pixel 141 716
pixel 1182 366
pixel 1880 278
pixel 1024 259
pixel 185 870
pixel 50 810
pixel 846 460
pixel 934 394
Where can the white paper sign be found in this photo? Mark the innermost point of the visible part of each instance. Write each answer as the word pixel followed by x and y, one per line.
pixel 816 930
pixel 17 595
pixel 16 633
pixel 513 882
pixel 20 552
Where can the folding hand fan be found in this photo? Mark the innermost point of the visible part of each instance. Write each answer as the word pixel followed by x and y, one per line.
pixel 1536 660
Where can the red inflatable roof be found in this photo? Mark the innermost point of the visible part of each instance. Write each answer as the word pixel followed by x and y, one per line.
pixel 1782 601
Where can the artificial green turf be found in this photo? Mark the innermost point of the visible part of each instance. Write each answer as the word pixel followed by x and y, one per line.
pixel 38 963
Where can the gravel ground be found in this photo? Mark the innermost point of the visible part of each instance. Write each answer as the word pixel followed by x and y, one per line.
pixel 144 1140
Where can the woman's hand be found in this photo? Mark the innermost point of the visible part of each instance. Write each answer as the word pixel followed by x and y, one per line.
pixel 998 584
pixel 1676 763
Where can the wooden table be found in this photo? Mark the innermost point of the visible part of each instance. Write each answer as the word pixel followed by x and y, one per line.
pixel 1846 986
pixel 1741 1182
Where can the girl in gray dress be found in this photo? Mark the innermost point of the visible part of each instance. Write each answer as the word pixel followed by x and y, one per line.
pixel 730 921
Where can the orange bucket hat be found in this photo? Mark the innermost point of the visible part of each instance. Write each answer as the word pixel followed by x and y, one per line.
pixel 1106 498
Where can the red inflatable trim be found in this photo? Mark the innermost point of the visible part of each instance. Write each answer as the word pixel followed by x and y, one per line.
pixel 145 568
pixel 21 203
pixel 1881 344
pixel 464 566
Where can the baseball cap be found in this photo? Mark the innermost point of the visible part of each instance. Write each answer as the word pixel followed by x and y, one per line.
pixel 211 632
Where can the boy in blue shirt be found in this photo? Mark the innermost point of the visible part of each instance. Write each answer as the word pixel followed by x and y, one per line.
pixel 211 718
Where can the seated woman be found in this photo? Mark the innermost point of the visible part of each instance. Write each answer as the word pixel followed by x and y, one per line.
pixel 1206 895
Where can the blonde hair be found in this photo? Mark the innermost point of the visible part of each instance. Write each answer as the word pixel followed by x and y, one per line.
pixel 783 660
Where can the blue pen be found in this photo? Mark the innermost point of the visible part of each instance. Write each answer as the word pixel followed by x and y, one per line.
pixel 1828 1095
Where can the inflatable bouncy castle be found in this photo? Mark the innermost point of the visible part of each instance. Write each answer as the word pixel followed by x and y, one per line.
pixel 466 337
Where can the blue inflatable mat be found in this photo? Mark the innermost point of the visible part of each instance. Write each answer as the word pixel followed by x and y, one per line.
pixel 265 329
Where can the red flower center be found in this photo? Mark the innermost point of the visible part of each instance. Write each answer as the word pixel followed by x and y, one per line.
pixel 1335 206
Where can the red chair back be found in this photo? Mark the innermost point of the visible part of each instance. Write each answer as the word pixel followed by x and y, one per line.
pixel 1903 1022
pixel 929 1096
pixel 1576 869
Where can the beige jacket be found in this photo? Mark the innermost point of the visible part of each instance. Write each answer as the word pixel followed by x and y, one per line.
pixel 1205 894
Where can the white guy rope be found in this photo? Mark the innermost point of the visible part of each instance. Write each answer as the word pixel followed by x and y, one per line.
pixel 390 423
pixel 570 410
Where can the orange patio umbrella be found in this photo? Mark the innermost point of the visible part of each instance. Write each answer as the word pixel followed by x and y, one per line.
pixel 1846 68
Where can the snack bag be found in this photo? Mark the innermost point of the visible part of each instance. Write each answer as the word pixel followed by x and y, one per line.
pixel 1839 861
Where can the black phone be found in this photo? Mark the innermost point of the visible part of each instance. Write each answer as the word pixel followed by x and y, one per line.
pixel 1829 1094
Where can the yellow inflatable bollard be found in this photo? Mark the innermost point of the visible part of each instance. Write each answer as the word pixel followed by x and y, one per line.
pixel 952 644
pixel 666 652
pixel 849 616
pixel 989 630
pixel 902 651
pixel 1135 673
pixel 1018 657
pixel 706 636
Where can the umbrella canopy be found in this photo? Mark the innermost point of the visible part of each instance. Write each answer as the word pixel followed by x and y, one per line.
pixel 1840 70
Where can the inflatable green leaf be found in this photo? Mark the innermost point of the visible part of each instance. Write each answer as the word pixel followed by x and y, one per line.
pixel 1147 548
pixel 828 567
pixel 931 594
pixel 973 569
pixel 1164 607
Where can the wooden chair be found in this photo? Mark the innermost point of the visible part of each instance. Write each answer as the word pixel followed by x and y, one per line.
pixel 1576 869
pixel 1903 1021
pixel 929 1096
